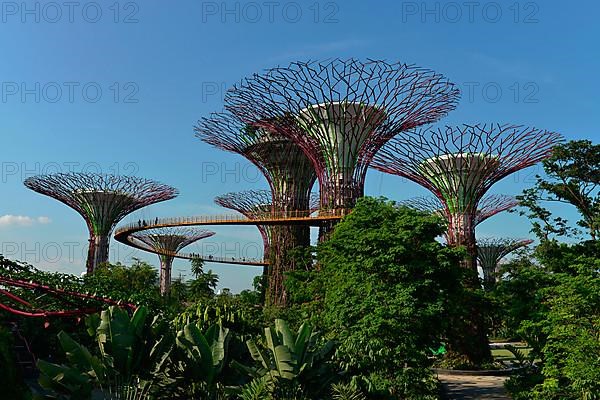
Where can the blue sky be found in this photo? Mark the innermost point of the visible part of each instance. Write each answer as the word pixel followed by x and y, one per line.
pixel 116 87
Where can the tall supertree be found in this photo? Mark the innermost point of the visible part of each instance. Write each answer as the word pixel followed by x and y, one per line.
pixel 489 206
pixel 490 251
pixel 167 242
pixel 102 201
pixel 340 112
pixel 254 204
pixel 459 165
pixel 286 168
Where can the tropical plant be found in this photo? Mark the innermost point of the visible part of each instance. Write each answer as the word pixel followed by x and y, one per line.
pixel 198 362
pixel 286 364
pixel 346 391
pixel 130 361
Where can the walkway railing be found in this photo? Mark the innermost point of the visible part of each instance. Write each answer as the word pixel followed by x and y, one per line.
pixel 123 233
pixel 233 219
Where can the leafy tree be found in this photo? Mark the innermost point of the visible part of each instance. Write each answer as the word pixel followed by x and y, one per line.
pixel 197 266
pixel 203 287
pixel 558 299
pixel 572 177
pixel 137 283
pixel 383 288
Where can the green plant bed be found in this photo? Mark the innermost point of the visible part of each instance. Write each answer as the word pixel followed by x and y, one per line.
pixel 11 382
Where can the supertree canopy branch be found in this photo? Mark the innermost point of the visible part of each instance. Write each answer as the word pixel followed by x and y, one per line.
pixel 287 170
pixel 341 112
pixel 168 242
pixel 490 251
pixel 460 164
pixel 489 206
pixel 102 200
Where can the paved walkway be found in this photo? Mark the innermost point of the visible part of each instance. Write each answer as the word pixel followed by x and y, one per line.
pixel 465 387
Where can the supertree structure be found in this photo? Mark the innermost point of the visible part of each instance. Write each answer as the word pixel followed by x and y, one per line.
pixel 286 168
pixel 254 204
pixel 340 112
pixel 167 242
pixel 102 201
pixel 489 206
pixel 490 251
pixel 459 165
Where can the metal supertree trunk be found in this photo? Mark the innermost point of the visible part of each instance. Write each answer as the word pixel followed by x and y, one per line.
pixel 490 251
pixel 102 201
pixel 341 112
pixel 277 239
pixel 460 164
pixel 489 206
pixel 283 163
pixel 168 242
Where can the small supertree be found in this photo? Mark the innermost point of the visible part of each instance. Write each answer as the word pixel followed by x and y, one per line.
pixel 489 206
pixel 255 204
pixel 340 112
pixel 459 165
pixel 490 251
pixel 102 201
pixel 167 242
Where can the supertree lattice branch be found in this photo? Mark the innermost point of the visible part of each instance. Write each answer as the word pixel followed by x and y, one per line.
pixel 460 164
pixel 340 112
pixel 168 242
pixel 287 170
pixel 102 200
pixel 489 206
pixel 490 251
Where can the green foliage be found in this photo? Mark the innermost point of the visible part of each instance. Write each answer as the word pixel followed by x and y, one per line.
pixel 562 323
pixel 131 358
pixel 572 177
pixel 11 382
pixel 296 365
pixel 383 289
pixel 199 360
pixel 137 284
pixel 346 391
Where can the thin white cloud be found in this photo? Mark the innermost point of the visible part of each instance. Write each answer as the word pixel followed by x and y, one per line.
pixel 43 220
pixel 22 220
